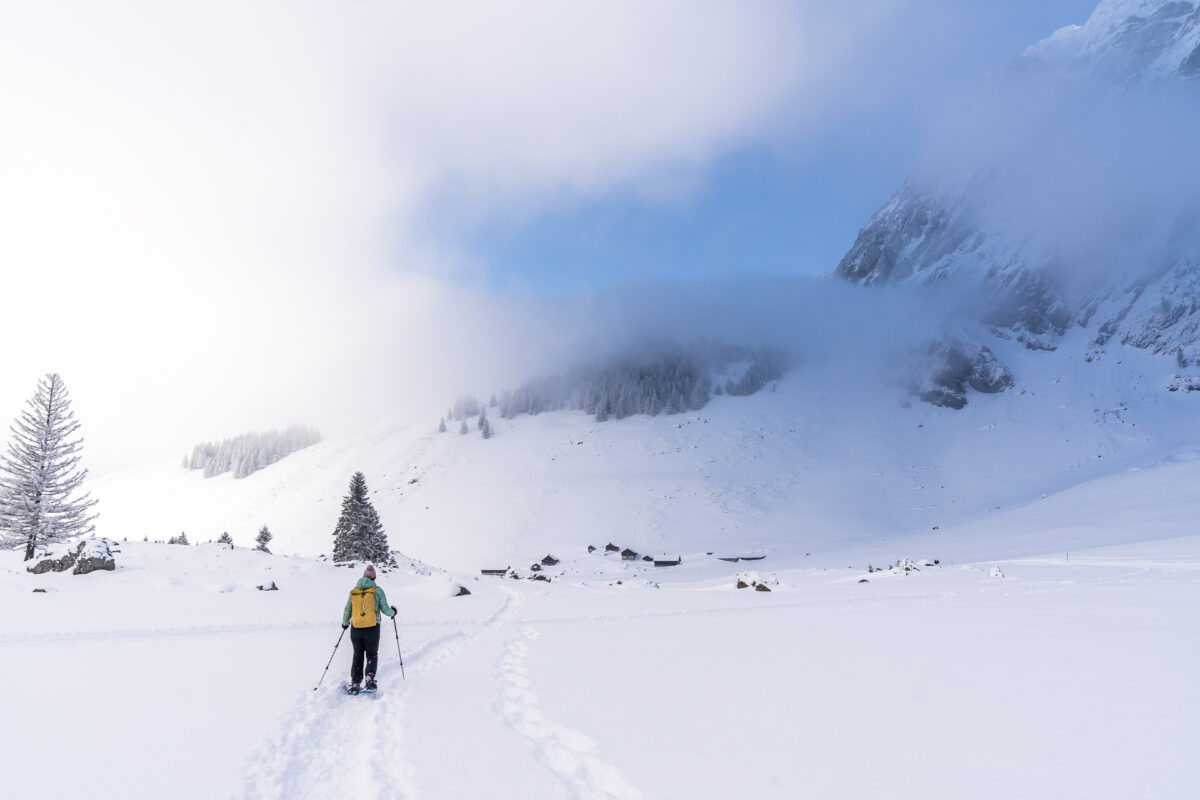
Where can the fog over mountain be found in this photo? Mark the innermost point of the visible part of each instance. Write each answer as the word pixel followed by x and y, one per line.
pixel 1066 193
pixel 1063 193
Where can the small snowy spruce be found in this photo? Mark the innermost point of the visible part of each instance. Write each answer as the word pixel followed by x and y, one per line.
pixel 225 538
pixel 263 539
pixel 359 535
pixel 40 475
pixel 462 428
pixel 442 425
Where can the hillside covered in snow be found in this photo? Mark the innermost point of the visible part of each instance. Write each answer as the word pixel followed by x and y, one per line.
pixel 821 456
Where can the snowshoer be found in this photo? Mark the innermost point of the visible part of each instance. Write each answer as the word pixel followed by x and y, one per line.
pixel 366 602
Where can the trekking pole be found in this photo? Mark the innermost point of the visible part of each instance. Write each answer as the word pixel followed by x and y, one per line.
pixel 397 630
pixel 334 653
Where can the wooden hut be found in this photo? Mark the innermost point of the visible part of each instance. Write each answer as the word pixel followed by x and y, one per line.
pixel 668 562
pixel 628 555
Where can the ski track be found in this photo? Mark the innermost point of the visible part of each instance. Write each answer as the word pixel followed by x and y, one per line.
pixel 329 748
pixel 569 754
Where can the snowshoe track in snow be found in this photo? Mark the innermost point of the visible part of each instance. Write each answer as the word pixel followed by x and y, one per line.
pixel 332 745
pixel 569 754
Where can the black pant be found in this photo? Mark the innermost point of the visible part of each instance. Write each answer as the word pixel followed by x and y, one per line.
pixel 366 643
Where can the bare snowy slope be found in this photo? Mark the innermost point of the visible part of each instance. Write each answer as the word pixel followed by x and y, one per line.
pixel 824 459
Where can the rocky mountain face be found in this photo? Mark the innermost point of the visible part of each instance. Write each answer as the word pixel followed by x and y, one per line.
pixel 1027 269
pixel 1127 41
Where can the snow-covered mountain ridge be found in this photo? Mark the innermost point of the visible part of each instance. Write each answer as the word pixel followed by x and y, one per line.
pixel 1083 212
pixel 1127 40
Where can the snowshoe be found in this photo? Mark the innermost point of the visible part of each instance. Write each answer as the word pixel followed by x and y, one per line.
pixel 352 689
pixel 370 685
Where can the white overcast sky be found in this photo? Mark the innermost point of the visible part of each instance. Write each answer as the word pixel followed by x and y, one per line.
pixel 211 210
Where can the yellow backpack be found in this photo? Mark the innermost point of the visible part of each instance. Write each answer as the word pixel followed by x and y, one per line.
pixel 362 608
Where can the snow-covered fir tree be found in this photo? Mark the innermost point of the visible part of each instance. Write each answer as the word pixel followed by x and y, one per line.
pixel 180 539
pixel 359 535
pixel 225 538
pixel 462 428
pixel 264 537
pixel 442 425
pixel 40 475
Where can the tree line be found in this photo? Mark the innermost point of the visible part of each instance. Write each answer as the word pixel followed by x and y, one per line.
pixel 660 379
pixel 249 452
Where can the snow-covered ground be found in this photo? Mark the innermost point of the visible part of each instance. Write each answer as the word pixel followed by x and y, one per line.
pixel 1051 651
pixel 175 677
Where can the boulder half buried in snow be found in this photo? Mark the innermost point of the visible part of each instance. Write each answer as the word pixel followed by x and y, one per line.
pixel 86 556
pixel 58 558
pixel 92 555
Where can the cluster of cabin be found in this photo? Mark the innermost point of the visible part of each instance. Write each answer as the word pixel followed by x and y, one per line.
pixel 536 568
pixel 610 549
pixel 630 555
pixel 548 561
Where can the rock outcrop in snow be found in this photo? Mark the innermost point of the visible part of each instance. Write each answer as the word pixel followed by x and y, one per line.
pixel 1126 40
pixel 87 556
pixel 944 370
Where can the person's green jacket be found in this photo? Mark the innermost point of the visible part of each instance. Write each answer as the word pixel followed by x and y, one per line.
pixel 381 604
